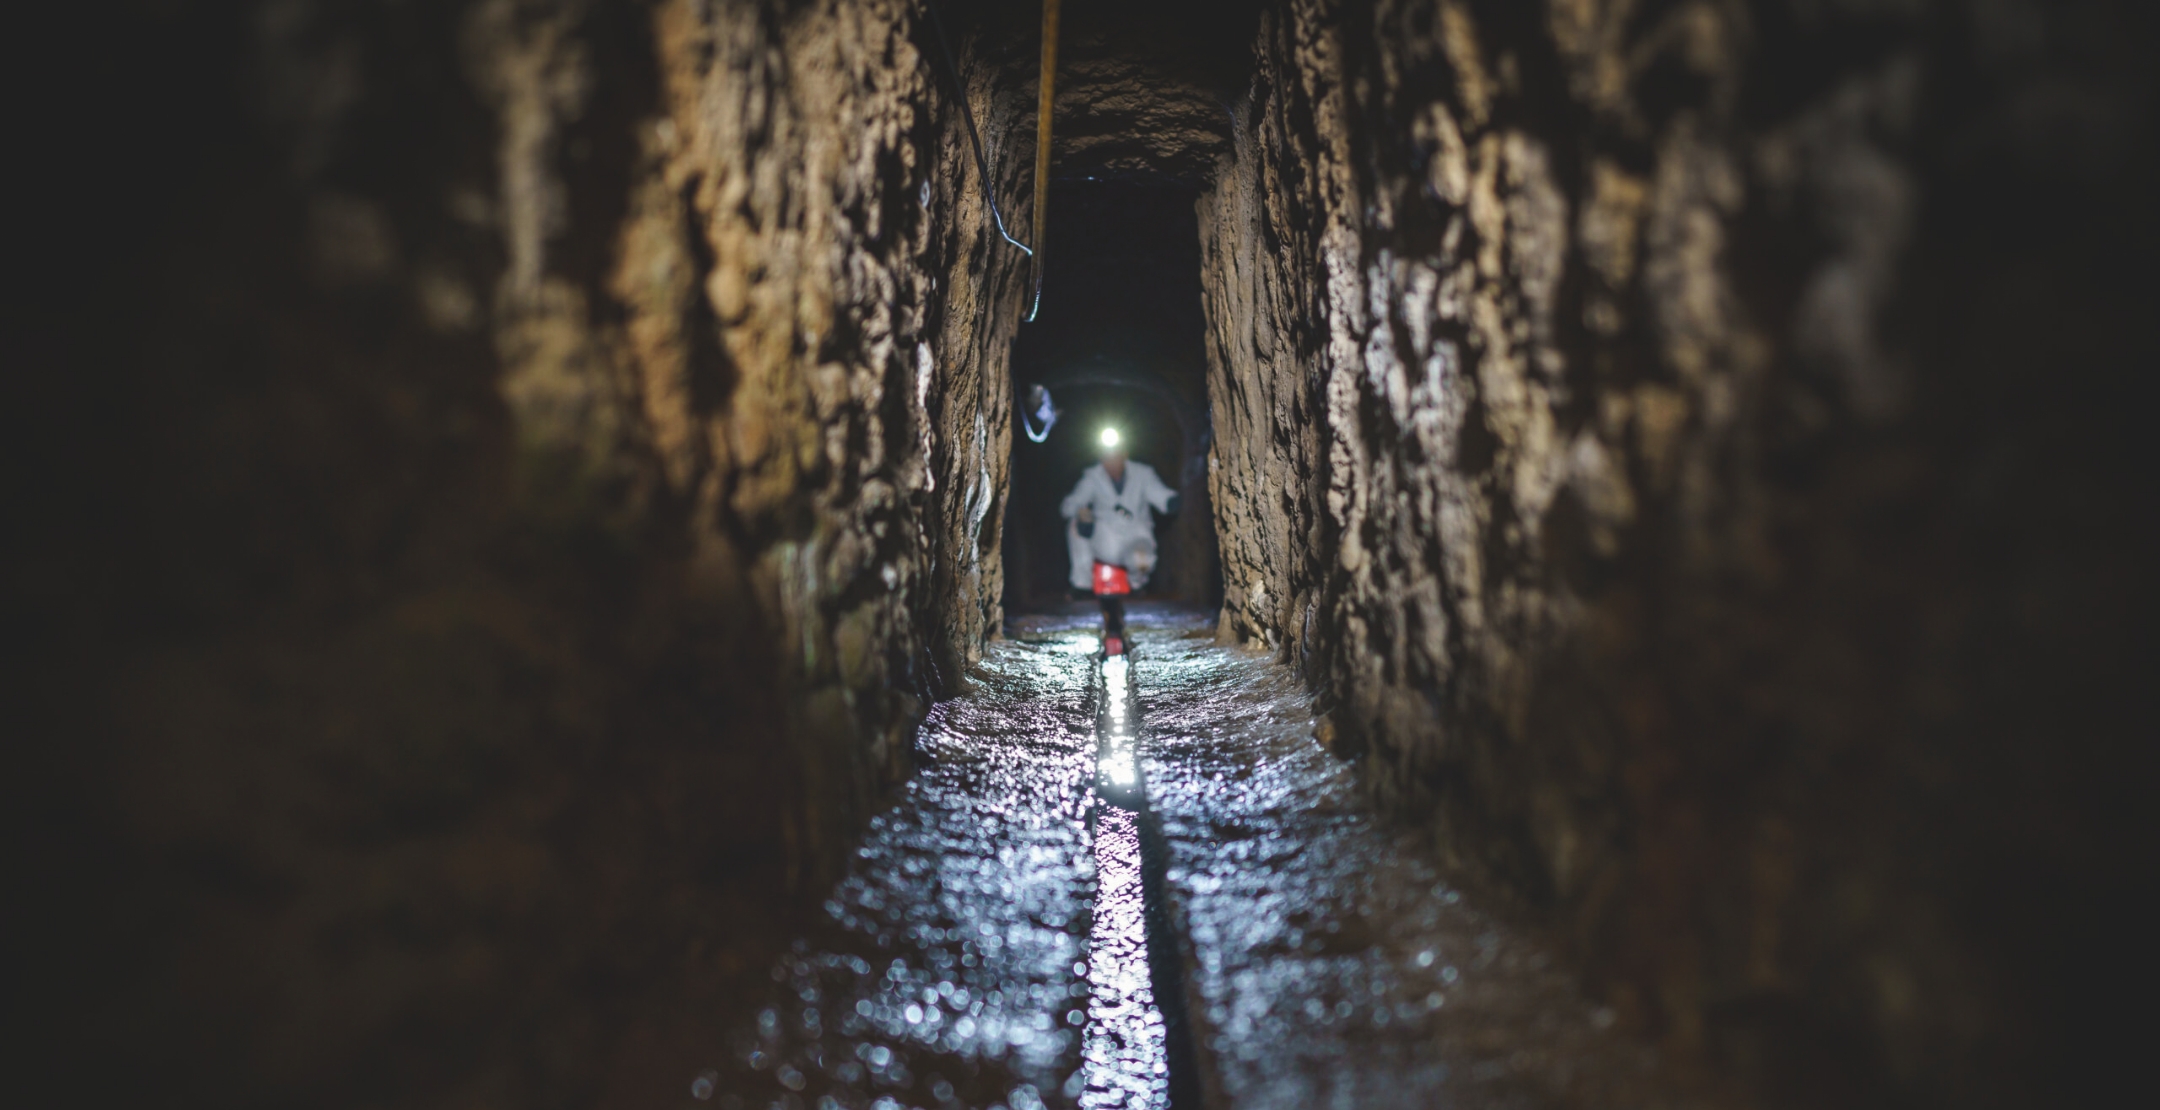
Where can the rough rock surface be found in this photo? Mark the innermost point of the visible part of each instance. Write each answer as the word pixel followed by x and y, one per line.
pixel 1684 442
pixel 529 467
pixel 1133 117
pixel 1143 86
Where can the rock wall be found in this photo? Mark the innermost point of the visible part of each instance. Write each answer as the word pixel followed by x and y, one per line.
pixel 1686 446
pixel 506 480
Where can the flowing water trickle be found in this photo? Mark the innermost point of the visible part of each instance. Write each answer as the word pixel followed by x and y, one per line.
pixel 1124 1064
pixel 1124 1056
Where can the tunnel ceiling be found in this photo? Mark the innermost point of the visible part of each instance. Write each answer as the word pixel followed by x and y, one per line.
pixel 1121 296
pixel 1143 88
pixel 1144 95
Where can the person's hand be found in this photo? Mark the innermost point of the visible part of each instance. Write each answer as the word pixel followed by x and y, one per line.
pixel 1087 514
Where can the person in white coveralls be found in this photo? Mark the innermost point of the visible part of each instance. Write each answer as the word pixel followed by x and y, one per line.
pixel 1110 530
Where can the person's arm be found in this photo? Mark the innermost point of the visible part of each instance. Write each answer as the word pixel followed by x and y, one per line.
pixel 1078 508
pixel 1160 495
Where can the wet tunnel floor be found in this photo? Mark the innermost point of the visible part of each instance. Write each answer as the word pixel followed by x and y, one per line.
pixel 1148 886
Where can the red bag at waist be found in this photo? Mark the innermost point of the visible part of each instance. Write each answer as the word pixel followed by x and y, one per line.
pixel 1111 580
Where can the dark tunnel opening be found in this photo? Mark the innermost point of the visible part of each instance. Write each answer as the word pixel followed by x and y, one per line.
pixel 1120 345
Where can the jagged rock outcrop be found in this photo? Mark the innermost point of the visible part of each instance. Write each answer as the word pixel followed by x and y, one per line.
pixel 1679 442
pixel 530 466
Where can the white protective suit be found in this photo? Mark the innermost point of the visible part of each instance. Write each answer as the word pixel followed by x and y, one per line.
pixel 1124 522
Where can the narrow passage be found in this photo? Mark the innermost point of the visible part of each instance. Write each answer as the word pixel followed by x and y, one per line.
pixel 1148 886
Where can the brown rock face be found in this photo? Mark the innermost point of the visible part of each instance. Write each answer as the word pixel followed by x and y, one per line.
pixel 528 467
pixel 497 482
pixel 1680 440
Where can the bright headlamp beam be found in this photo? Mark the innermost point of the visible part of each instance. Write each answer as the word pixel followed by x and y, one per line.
pixel 1109 437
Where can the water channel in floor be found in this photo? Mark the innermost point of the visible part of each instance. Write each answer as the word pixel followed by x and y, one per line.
pixel 1142 885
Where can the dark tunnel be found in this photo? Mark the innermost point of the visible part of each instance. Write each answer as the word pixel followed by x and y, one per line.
pixel 536 580
pixel 1120 345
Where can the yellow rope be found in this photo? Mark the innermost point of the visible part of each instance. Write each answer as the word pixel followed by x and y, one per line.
pixel 1042 143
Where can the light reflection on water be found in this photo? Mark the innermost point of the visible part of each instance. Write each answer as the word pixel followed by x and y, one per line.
pixel 1118 773
pixel 1334 965
pixel 1123 1062
pixel 959 966
pixel 950 966
pixel 945 972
